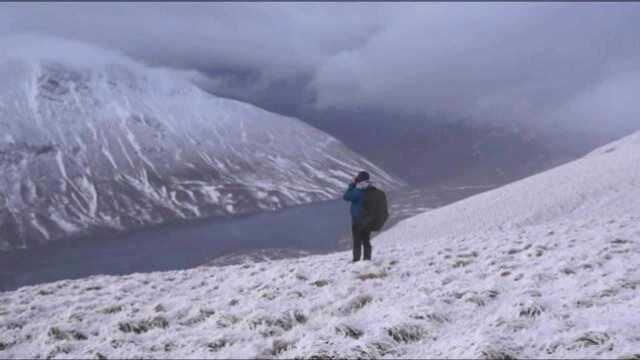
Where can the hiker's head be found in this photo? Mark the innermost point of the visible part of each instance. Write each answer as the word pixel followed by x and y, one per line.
pixel 362 176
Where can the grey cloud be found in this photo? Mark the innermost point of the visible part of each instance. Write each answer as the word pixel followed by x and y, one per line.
pixel 276 38
pixel 512 61
pixel 540 63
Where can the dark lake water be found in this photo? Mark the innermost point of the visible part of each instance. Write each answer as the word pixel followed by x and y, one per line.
pixel 314 228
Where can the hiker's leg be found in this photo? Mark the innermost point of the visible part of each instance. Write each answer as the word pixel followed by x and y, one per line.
pixel 357 244
pixel 366 242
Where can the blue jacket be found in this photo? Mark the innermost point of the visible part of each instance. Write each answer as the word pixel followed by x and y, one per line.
pixel 356 197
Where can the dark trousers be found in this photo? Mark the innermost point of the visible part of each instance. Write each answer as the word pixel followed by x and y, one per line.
pixel 361 238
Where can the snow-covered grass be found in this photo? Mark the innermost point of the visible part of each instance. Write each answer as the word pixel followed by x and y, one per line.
pixel 555 276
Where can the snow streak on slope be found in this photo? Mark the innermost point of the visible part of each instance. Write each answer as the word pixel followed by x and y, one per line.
pixel 521 283
pixel 92 140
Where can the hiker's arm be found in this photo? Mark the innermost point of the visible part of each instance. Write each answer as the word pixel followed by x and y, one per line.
pixel 350 195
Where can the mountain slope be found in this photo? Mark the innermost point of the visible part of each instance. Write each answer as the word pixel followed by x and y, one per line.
pixel 482 152
pixel 553 277
pixel 91 140
pixel 603 182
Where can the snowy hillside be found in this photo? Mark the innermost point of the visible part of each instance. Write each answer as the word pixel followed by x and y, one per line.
pixel 90 140
pixel 544 268
pixel 603 182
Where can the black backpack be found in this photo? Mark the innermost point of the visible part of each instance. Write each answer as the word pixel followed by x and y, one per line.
pixel 375 206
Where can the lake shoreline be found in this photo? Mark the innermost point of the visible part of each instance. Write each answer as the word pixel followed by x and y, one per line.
pixel 316 228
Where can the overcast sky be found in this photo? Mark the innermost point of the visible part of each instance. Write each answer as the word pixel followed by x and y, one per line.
pixel 536 63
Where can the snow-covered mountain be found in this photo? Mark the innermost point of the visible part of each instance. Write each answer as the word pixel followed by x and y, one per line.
pixel 91 140
pixel 546 267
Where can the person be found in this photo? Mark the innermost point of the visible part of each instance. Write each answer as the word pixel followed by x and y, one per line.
pixel 360 221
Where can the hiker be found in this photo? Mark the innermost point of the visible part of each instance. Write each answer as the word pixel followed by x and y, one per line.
pixel 368 213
